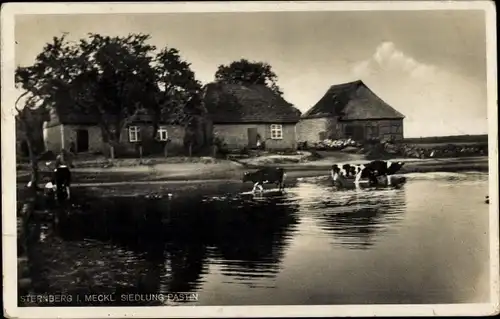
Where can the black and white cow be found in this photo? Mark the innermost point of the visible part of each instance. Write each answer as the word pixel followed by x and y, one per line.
pixel 354 171
pixel 267 175
pixel 348 170
pixel 385 168
pixel 335 172
pixel 375 169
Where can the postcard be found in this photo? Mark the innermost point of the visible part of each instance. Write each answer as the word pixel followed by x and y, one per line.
pixel 249 159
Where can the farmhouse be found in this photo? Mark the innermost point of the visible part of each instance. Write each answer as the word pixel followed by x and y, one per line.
pixel 247 115
pixel 350 110
pixel 80 133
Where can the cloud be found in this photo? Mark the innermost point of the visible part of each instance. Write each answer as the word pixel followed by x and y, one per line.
pixel 435 101
pixel 388 58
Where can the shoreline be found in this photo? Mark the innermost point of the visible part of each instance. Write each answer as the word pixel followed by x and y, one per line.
pixel 233 171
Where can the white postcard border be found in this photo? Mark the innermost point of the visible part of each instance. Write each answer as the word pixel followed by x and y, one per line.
pixel 10 10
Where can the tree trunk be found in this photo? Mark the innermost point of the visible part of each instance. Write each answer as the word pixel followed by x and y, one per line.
pixel 165 150
pixel 214 151
pixel 190 149
pixel 35 176
pixel 112 148
pixel 111 151
pixel 155 129
pixel 111 138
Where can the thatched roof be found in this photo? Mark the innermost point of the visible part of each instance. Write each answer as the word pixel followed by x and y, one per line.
pixel 225 103
pixel 352 101
pixel 72 116
pixel 236 103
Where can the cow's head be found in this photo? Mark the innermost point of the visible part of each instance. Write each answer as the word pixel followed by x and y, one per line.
pixel 335 168
pixel 396 165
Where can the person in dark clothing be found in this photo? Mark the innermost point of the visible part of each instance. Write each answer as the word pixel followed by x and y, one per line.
pixel 61 178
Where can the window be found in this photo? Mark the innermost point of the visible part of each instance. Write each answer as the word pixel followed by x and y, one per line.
pixel 162 134
pixel 134 134
pixel 276 131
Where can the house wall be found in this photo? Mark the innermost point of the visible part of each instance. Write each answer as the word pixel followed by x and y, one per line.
pixel 236 135
pixel 61 136
pixel 314 130
pixel 95 137
pixel 52 138
pixel 378 129
pixel 317 129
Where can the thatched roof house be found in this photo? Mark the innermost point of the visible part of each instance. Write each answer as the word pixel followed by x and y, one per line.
pixel 351 110
pixel 236 103
pixel 245 114
pixel 352 101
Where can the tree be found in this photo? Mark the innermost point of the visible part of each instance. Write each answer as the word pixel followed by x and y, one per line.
pixel 247 72
pixel 113 80
pixel 119 82
pixel 27 117
pixel 109 78
pixel 177 89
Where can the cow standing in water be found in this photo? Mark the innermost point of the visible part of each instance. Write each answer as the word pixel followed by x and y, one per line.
pixel 383 168
pixel 268 175
pixel 370 171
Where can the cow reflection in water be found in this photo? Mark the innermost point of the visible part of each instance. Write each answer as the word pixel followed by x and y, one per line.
pixel 176 236
pixel 356 218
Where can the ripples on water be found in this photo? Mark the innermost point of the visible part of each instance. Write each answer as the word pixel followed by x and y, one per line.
pixel 186 243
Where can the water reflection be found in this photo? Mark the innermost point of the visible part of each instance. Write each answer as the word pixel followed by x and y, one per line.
pixel 251 238
pixel 244 234
pixel 352 217
pixel 328 245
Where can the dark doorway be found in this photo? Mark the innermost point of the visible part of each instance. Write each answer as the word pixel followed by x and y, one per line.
pixel 322 136
pixel 356 132
pixel 252 137
pixel 82 141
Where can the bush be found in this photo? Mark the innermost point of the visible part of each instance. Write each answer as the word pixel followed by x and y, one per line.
pixel 244 151
pixel 221 149
pixel 302 146
pixel 329 144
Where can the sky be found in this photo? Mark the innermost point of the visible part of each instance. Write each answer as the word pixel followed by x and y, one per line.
pixel 429 65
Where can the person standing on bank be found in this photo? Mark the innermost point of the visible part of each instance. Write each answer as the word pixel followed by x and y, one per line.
pixel 61 178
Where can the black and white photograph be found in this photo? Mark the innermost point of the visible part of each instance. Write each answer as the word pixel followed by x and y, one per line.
pixel 249 159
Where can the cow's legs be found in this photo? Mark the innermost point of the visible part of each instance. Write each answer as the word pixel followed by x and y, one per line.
pixel 255 187
pixel 358 177
pixel 259 186
pixel 389 180
pixel 282 185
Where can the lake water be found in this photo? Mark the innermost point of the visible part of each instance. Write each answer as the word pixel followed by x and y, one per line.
pixel 426 242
